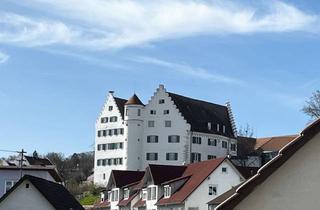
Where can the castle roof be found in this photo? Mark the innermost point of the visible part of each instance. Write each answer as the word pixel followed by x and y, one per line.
pixel 134 100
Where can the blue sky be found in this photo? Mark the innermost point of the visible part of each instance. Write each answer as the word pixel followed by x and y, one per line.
pixel 58 59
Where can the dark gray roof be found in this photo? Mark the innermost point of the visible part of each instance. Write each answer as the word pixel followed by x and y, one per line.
pixel 58 196
pixel 38 161
pixel 120 104
pixel 198 113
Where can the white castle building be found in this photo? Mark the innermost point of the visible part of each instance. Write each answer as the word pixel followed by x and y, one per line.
pixel 170 129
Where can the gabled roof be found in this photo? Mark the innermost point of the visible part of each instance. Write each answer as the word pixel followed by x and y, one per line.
pixel 197 173
pixel 124 178
pixel 163 173
pixel 101 205
pixel 198 113
pixel 139 203
pixel 125 202
pixel 274 143
pixel 268 169
pixel 120 104
pixel 38 161
pixel 223 196
pixel 58 196
pixel 134 100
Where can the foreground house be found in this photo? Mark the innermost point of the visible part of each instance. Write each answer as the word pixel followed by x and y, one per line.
pixel 170 129
pixel 290 181
pixel 38 194
pixel 10 172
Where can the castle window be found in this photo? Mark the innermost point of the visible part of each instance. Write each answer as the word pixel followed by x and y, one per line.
pixel 212 142
pixel 110 108
pixel 174 139
pixel 152 139
pixel 110 132
pixel 113 119
pixel 218 127
pixel 104 147
pixel 104 132
pixel 150 123
pixel 99 147
pixel 152 156
pixel 139 112
pixel 121 130
pixel 224 144
pixel 166 111
pixel 115 131
pixel 172 156
pixel 99 133
pixel 195 157
pixel 209 125
pixel 167 123
pixel 161 101
pixel 104 120
pixel 211 157
pixel 196 140
pixel 224 129
pixel 99 162
pixel 153 112
pixel 233 147
pixel 127 113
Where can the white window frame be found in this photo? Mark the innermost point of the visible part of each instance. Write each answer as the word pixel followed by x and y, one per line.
pixel 151 124
pixel 126 194
pixel 167 191
pixel 12 182
pixel 211 189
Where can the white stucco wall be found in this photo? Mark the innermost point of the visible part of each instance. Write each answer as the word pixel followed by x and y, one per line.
pixel 15 175
pixel 178 127
pixel 294 186
pixel 25 199
pixel 117 153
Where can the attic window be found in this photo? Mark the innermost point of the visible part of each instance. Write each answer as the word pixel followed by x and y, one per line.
pixel 209 125
pixel 110 108
pixel 161 101
pixel 27 185
pixel 224 170
pixel 126 193
pixel 167 191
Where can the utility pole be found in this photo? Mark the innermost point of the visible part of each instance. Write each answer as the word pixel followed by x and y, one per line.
pixel 21 161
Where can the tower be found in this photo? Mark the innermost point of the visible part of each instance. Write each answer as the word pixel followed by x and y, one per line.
pixel 133 119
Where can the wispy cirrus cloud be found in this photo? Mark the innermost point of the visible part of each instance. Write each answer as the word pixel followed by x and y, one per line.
pixel 101 24
pixel 3 57
pixel 189 70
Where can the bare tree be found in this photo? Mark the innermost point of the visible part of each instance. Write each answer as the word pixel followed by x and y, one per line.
pixel 245 131
pixel 312 107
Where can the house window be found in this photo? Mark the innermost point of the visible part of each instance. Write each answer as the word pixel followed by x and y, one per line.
pixel 150 123
pixel 110 132
pixel 144 194
pixel 152 156
pixel 121 130
pixel 224 170
pixel 218 127
pixel 116 195
pixel 174 139
pixel 126 193
pixel 104 162
pixel 167 123
pixel 233 147
pixel 152 139
pixel 196 140
pixel 224 144
pixel 167 191
pixel 152 193
pixel 99 147
pixel 212 190
pixel 127 112
pixel 224 129
pixel 113 119
pixel 139 112
pixel 104 133
pixel 98 162
pixel 104 147
pixel 172 156
pixel 110 108
pixel 161 101
pixel 195 157
pixel 9 184
pixel 104 176
pixel 153 112
pixel 166 111
pixel 211 157
pixel 104 120
pixel 212 142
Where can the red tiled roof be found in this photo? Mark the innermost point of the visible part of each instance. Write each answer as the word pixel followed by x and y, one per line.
pixel 163 173
pixel 273 143
pixel 198 172
pixel 103 204
pixel 125 202
pixel 263 173
pixel 140 203
pixel 124 178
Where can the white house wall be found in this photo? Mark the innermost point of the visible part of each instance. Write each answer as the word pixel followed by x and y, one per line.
pixel 23 198
pixel 292 186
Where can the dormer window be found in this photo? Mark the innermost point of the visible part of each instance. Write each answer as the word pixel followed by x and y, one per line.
pixel 144 194
pixel 126 193
pixel 167 191
pixel 209 125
